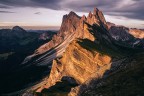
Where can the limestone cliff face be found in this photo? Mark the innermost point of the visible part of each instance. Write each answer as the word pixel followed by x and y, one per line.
pixel 74 24
pixel 81 49
pixel 78 63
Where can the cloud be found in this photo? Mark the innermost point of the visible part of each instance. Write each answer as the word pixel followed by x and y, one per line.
pixel 37 13
pixel 132 9
pixel 51 4
pixel 4 6
pixel 6 12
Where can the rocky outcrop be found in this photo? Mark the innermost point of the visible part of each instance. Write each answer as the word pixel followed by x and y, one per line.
pixel 116 29
pixel 109 24
pixel 72 23
pixel 119 81
pixel 83 63
pixel 73 26
pixel 137 33
pixel 127 36
pixel 86 48
pixel 78 63
pixel 46 35
pixel 120 33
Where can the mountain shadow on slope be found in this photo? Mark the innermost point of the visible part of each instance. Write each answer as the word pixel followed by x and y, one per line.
pixel 125 77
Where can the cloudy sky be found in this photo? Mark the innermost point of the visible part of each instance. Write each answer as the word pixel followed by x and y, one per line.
pixel 49 12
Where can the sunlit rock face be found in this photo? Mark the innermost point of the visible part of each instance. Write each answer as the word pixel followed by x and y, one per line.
pixel 72 23
pixel 81 46
pixel 79 63
pixel 76 61
pixel 73 26
pixel 137 33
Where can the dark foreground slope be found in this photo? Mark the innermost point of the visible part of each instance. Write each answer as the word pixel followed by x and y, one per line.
pixel 15 45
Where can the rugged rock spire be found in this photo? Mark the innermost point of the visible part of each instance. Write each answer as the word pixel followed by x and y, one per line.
pixel 80 58
pixel 72 27
pixel 83 18
pixel 96 18
pixel 95 11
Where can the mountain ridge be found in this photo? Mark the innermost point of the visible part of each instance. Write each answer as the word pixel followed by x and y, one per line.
pixel 73 25
pixel 92 29
pixel 86 51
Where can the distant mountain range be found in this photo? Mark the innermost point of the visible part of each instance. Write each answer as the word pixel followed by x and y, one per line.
pixel 15 45
pixel 86 57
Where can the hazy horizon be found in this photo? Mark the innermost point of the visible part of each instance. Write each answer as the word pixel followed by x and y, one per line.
pixel 33 27
pixel 128 13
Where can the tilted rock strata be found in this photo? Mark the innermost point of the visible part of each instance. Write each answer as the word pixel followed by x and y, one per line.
pixel 78 63
pixel 73 24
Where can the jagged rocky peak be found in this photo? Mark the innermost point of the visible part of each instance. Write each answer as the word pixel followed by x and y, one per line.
pixel 90 15
pixel 69 22
pixel 73 14
pixel 96 17
pixel 73 27
pixel 83 18
pixel 17 28
pixel 72 21
pixel 95 11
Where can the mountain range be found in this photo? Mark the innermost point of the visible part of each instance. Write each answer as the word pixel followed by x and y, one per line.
pixel 15 45
pixel 86 57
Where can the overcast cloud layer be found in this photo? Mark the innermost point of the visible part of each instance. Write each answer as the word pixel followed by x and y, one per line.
pixel 133 9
